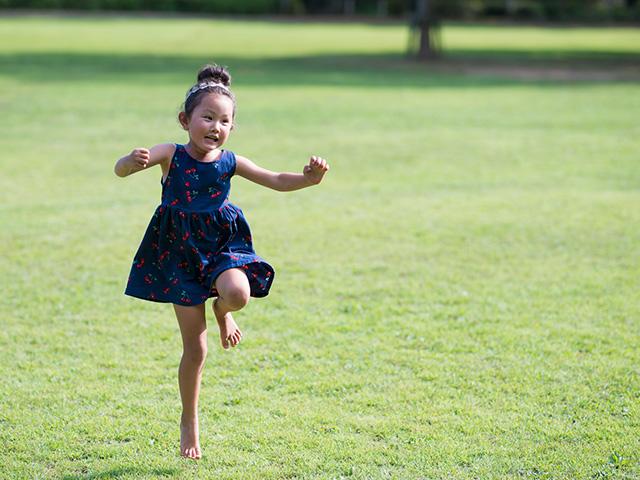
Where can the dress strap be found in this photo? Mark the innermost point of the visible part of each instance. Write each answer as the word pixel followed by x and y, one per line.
pixel 181 150
pixel 228 161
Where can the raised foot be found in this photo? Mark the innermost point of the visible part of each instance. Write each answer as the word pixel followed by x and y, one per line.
pixel 189 441
pixel 230 334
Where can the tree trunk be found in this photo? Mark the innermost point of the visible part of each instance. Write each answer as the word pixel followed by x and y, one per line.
pixel 426 27
pixel 425 48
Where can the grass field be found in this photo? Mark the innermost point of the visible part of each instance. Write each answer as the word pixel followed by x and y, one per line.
pixel 459 299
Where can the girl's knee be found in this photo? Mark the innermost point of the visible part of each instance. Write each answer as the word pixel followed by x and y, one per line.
pixel 195 353
pixel 233 287
pixel 237 297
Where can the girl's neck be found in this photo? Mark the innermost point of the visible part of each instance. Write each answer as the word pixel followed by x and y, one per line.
pixel 203 155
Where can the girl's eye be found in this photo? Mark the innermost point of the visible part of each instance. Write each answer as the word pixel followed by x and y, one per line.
pixel 208 118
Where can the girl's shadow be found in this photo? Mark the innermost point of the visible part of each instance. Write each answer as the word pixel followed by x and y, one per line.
pixel 120 472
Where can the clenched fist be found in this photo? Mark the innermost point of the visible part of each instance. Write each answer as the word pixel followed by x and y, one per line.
pixel 315 170
pixel 139 157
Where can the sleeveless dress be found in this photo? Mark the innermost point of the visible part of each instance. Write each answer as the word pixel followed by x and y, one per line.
pixel 194 235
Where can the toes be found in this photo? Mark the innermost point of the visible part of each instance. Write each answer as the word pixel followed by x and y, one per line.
pixel 235 338
pixel 193 453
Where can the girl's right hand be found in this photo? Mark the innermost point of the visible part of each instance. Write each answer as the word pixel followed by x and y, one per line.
pixel 139 157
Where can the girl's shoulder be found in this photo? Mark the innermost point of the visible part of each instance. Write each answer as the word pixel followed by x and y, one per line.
pixel 163 152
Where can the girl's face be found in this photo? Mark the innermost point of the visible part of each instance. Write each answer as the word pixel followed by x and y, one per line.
pixel 210 123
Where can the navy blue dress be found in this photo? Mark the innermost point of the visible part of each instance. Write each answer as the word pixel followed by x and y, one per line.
pixel 194 235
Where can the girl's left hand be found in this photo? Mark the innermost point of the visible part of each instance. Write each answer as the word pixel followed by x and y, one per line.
pixel 315 170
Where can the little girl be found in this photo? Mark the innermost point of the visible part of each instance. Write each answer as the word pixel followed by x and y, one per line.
pixel 198 244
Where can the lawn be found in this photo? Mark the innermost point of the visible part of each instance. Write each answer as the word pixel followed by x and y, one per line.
pixel 458 299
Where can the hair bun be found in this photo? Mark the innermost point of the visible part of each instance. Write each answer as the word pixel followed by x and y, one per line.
pixel 214 73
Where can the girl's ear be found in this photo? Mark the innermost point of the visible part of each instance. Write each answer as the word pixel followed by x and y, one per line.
pixel 184 121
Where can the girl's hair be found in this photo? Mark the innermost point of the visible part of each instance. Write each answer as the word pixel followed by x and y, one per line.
pixel 209 74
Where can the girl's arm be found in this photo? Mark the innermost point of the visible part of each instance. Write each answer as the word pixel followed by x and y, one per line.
pixel 283 182
pixel 141 159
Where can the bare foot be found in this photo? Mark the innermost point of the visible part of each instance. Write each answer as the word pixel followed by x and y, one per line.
pixel 230 334
pixel 189 441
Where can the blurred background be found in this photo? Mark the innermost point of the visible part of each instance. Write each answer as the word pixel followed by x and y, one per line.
pixel 423 16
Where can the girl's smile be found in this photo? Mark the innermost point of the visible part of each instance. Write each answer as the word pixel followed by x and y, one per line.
pixel 210 124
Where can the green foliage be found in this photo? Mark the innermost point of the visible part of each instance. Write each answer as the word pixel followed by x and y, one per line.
pixel 553 10
pixel 209 6
pixel 228 6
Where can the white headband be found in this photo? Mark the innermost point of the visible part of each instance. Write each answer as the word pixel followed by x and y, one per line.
pixel 200 86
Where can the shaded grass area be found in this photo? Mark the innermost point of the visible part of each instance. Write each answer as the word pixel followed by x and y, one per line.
pixel 365 71
pixel 457 300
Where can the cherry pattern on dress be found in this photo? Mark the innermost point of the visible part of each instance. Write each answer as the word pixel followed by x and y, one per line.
pixel 194 235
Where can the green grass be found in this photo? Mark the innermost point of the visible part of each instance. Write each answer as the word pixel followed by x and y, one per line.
pixel 459 298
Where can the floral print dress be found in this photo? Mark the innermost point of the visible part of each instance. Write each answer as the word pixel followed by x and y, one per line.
pixel 194 235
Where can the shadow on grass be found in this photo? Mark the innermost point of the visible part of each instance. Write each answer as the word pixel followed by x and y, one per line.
pixel 551 56
pixel 458 69
pixel 121 472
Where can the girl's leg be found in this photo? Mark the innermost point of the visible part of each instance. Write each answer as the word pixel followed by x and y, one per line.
pixel 193 327
pixel 233 294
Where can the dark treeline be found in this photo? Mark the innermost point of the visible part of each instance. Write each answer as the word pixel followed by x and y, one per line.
pixel 536 10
